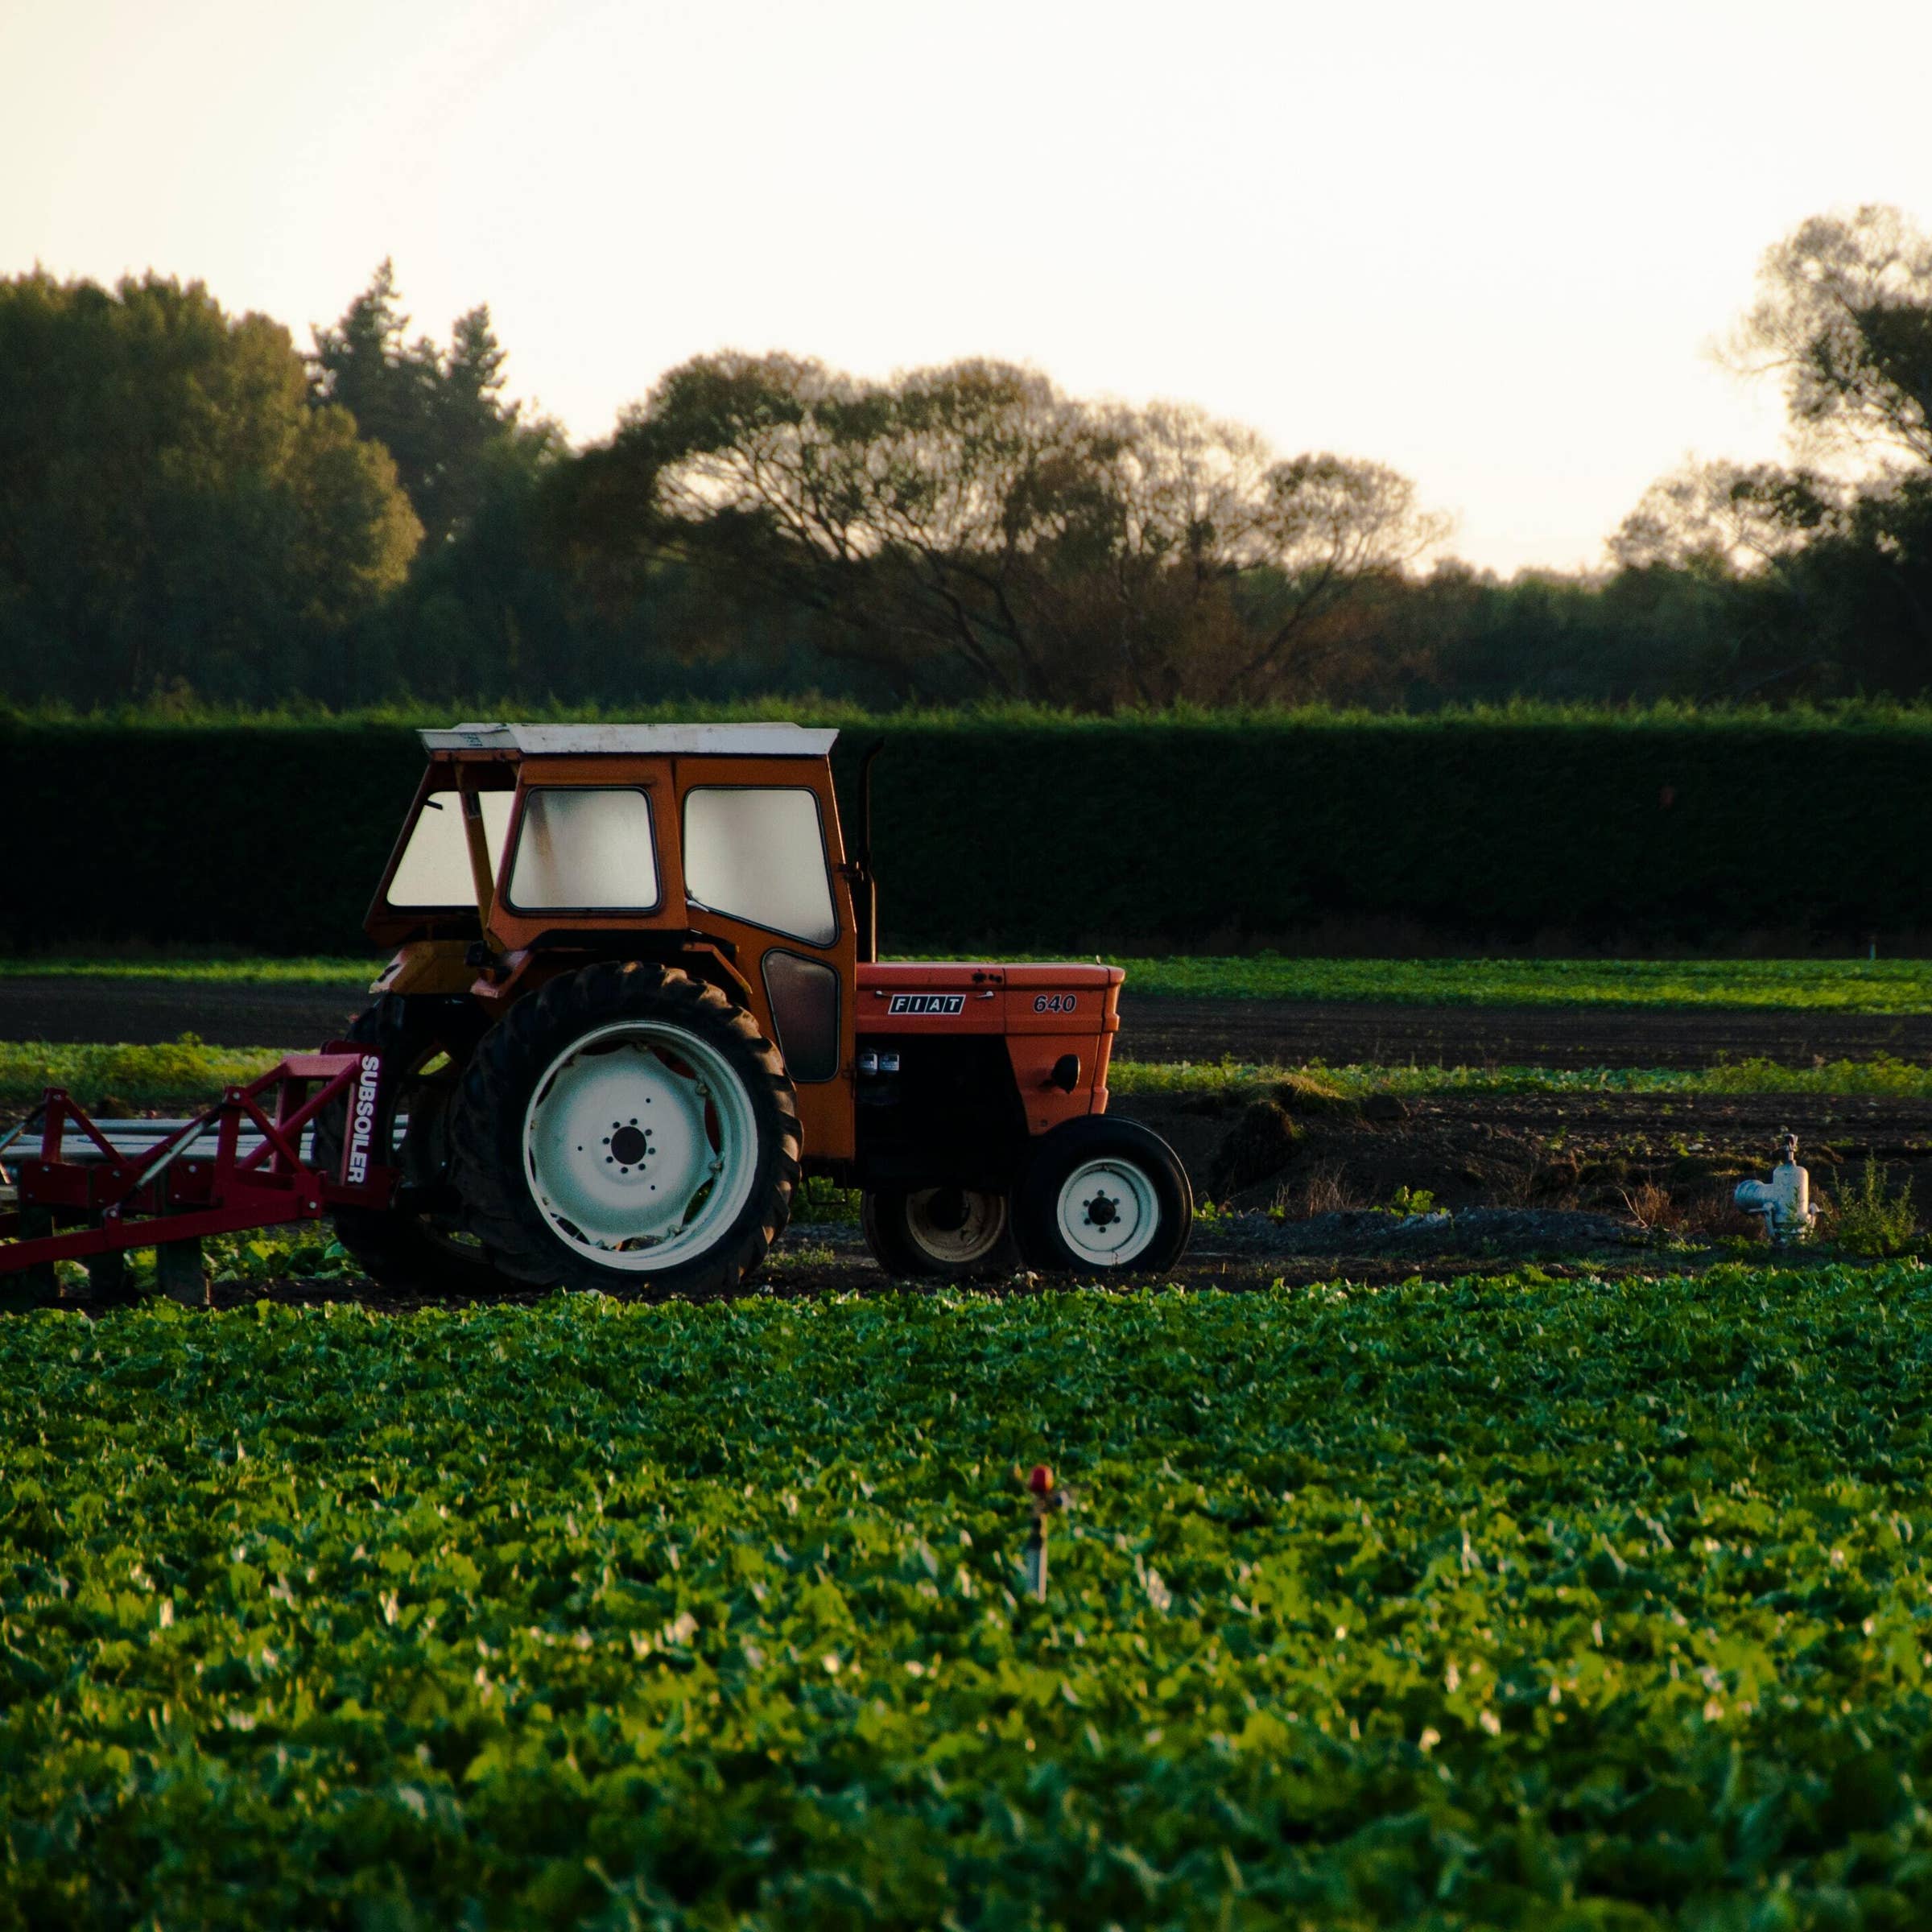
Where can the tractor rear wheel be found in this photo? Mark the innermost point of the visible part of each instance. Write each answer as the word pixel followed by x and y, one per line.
pixel 627 1129
pixel 1104 1193
pixel 423 1043
pixel 954 1232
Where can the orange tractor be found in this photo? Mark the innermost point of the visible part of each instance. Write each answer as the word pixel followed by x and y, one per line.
pixel 635 998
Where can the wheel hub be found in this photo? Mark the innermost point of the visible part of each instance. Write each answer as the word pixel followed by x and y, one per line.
pixel 640 1144
pixel 1109 1212
pixel 1102 1212
pixel 946 1209
pixel 956 1226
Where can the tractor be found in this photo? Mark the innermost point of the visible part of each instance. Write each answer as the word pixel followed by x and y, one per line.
pixel 635 998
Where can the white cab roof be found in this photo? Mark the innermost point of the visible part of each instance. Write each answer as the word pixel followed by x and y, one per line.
pixel 659 741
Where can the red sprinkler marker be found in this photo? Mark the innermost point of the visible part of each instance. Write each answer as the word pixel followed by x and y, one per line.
pixel 1039 1482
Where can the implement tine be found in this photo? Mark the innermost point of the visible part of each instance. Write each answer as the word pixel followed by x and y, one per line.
pixel 14 1133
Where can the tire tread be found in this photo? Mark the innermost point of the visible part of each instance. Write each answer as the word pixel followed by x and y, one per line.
pixel 391 1247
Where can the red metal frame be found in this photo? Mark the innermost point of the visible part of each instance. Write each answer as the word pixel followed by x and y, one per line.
pixel 161 1194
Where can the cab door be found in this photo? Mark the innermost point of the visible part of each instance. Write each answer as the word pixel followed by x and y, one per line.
pixel 760 848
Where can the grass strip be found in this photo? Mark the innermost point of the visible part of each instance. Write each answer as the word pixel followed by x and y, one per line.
pixel 212 970
pixel 1880 986
pixel 1509 1602
pixel 1881 1077
pixel 188 1073
pixel 185 1073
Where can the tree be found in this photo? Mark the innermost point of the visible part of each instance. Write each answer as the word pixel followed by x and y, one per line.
pixel 1843 315
pixel 970 530
pixel 1825 566
pixel 441 414
pixel 1728 517
pixel 1324 529
pixel 171 508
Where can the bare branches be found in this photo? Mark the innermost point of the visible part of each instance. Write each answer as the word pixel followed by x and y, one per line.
pixel 1728 517
pixel 973 516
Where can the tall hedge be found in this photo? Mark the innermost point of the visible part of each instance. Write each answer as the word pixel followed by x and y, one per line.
pixel 1042 834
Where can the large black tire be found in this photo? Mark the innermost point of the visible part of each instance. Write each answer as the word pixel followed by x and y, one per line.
pixel 517 1098
pixel 955 1233
pixel 1103 1194
pixel 424 1044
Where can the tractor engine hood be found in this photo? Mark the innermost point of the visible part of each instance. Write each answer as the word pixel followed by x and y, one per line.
pixel 972 997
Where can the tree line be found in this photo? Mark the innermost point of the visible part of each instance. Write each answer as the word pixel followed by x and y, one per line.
pixel 192 506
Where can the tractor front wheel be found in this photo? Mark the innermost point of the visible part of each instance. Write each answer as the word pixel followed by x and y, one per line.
pixel 1103 1194
pixel 627 1129
pixel 957 1233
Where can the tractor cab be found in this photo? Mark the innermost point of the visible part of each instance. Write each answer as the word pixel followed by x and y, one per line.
pixel 532 850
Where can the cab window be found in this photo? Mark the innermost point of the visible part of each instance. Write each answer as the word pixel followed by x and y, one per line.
pixel 584 849
pixel 434 874
pixel 757 853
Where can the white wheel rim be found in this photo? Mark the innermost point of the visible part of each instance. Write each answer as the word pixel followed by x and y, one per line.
pixel 977 1234
pixel 1108 1213
pixel 640 1146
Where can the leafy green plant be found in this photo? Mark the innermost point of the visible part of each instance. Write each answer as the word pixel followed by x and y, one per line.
pixel 1870 1216
pixel 817 1200
pixel 1406 1201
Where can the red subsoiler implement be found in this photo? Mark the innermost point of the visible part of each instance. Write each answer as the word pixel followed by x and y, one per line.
pixel 94 1190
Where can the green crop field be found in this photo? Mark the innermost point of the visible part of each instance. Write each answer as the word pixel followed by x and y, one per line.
pixel 1850 985
pixel 1521 1604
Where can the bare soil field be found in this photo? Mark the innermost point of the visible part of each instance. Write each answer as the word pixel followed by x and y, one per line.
pixel 1292 1034
pixel 1601 1185
pixel 147 1012
pixel 1668 1161
pixel 1308 1189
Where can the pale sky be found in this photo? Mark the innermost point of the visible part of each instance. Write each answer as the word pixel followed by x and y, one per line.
pixel 1487 243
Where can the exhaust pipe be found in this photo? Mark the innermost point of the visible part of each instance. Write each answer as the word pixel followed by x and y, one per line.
pixel 860 868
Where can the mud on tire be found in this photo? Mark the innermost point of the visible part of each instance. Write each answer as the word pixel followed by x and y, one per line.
pixel 624 1113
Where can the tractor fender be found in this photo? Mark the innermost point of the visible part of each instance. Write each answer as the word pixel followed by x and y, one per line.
pixel 531 968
